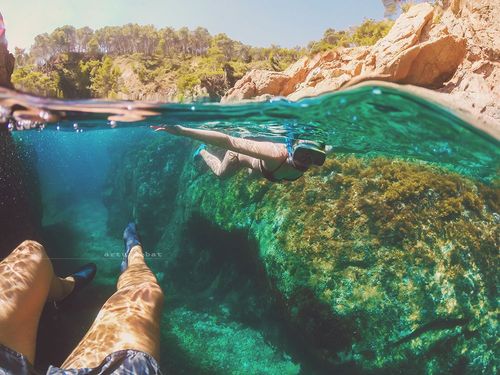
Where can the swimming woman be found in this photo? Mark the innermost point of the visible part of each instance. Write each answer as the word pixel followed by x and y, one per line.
pixel 276 162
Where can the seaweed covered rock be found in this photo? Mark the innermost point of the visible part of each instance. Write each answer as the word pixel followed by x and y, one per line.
pixel 218 346
pixel 382 265
pixel 143 186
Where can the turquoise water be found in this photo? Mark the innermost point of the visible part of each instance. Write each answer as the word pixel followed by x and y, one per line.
pixel 227 311
pixel 369 121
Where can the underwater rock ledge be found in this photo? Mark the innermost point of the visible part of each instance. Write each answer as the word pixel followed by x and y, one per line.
pixel 382 265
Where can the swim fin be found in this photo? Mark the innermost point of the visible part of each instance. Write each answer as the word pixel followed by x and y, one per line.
pixel 198 150
pixel 131 239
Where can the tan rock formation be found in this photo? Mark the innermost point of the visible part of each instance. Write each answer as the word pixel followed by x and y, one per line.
pixel 455 50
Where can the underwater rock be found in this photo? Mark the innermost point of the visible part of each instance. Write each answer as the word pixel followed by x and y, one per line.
pixel 454 49
pixel 381 265
pixel 218 346
pixel 20 200
pixel 143 185
pixel 371 265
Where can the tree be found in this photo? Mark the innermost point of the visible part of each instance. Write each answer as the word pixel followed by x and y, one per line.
pixel 83 37
pixel 391 7
pixel 21 56
pixel 105 79
pixel 28 79
pixel 370 31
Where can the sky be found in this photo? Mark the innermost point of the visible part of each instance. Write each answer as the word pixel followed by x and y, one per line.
pixel 287 23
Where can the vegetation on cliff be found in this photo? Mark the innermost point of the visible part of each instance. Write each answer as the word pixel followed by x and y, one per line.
pixel 142 62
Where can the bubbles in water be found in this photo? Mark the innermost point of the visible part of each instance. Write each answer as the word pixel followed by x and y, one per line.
pixel 376 91
pixel 75 126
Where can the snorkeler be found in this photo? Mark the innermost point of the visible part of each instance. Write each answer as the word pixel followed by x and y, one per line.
pixel 277 162
pixel 125 336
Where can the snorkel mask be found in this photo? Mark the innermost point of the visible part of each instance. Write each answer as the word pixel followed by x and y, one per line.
pixel 306 153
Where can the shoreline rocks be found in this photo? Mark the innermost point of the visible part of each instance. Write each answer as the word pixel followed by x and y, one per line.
pixel 453 50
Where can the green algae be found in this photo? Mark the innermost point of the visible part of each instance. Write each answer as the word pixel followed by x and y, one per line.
pixel 225 347
pixel 378 265
pixel 389 246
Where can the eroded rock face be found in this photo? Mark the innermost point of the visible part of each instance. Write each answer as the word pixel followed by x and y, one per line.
pixel 6 66
pixel 455 50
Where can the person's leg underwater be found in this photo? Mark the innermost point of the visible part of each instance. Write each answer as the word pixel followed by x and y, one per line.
pixel 268 151
pixel 130 318
pixel 225 168
pixel 27 280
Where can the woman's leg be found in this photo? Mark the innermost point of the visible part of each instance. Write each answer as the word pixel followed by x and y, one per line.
pixel 268 151
pixel 130 318
pixel 225 168
pixel 26 281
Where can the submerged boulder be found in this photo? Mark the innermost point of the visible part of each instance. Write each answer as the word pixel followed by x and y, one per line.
pixel 143 185
pixel 372 265
pixel 380 265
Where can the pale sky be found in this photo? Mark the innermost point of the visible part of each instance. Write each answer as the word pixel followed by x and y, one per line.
pixel 256 22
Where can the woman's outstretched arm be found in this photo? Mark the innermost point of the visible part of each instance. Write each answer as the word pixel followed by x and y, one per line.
pixel 260 150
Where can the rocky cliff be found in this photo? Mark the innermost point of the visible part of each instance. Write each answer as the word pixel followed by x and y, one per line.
pixel 6 66
pixel 454 49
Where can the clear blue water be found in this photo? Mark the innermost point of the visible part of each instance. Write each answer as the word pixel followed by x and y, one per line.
pixel 369 121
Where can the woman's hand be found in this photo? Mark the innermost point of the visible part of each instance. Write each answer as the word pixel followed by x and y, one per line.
pixel 172 129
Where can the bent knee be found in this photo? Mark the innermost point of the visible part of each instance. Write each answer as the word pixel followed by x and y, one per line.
pixel 31 249
pixel 149 292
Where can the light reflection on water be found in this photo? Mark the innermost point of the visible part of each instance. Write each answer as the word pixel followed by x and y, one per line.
pixel 370 120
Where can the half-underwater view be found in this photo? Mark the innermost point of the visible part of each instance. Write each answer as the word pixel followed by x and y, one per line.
pixel 249 187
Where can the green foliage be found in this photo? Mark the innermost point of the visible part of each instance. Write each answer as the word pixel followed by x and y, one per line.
pixel 104 79
pixel 28 79
pixel 84 61
pixel 370 31
pixel 73 81
pixel 366 34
